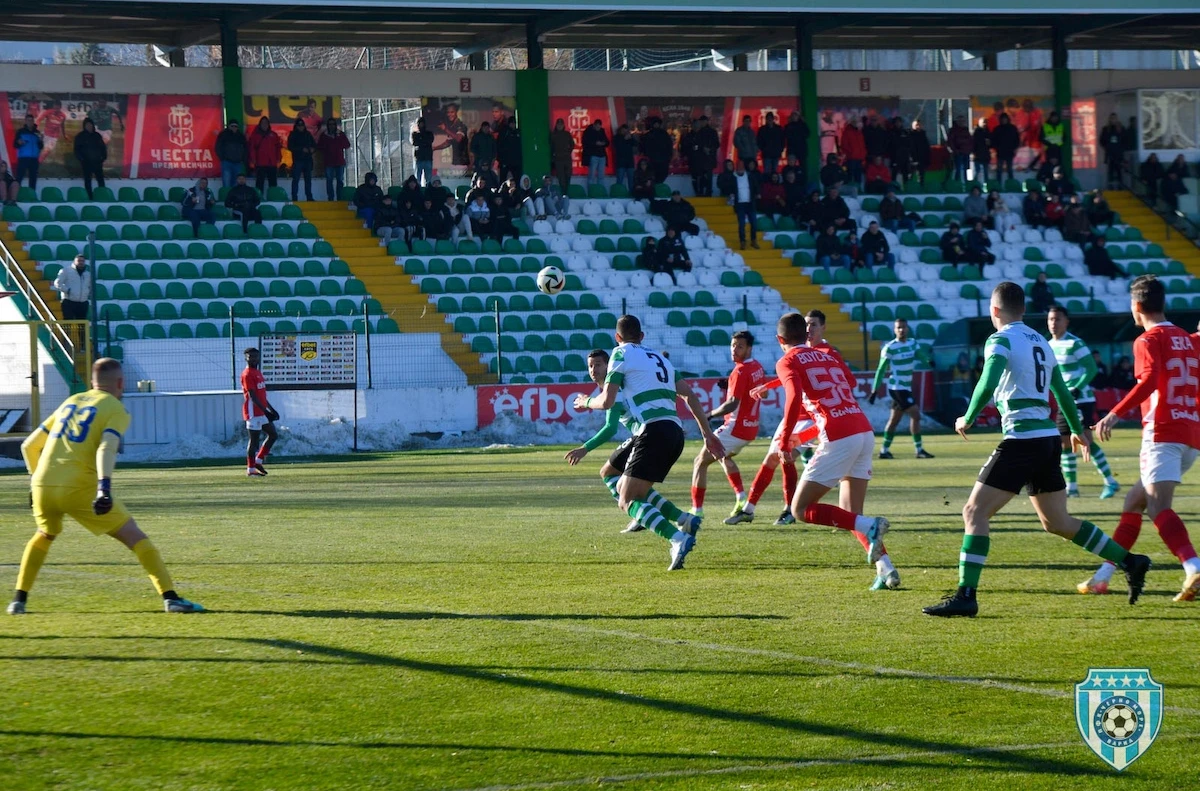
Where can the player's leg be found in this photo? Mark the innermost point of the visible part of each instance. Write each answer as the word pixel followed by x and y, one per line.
pixel 983 503
pixel 1170 461
pixel 652 454
pixel 734 475
pixel 252 444
pixel 147 554
pixel 1087 416
pixel 914 427
pixel 762 480
pixel 889 430
pixel 48 518
pixel 700 480
pixel 271 435
pixel 1067 459
pixel 1128 529
pixel 849 457
pixel 853 498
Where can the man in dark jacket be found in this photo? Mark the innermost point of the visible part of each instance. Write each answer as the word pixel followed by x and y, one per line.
pixel 422 143
pixel 1006 140
pixel 1041 295
pixel 701 154
pixel 302 145
pixel 91 152
pixel 746 188
pixel 679 214
pixel 672 255
pixel 1099 262
pixel 921 153
pixel 875 137
pixel 979 245
pixel 833 175
pixel 953 245
pixel 981 145
pixel 658 148
pixel 1112 140
pixel 594 149
pixel 875 249
pixel 771 142
pixel 900 150
pixel 333 145
pixel 483 148
pixel 1034 208
pixel 830 250
pixel 624 155
pixel 385 222
pixel 242 200
pixel 231 151
pixel 796 134
pixel 1170 190
pixel 434 222
pixel 508 150
pixel 368 198
pixel 197 205
pixel 960 144
pixel 835 212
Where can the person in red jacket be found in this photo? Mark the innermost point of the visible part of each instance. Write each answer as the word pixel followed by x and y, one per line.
pixel 332 144
pixel 879 177
pixel 265 153
pixel 854 149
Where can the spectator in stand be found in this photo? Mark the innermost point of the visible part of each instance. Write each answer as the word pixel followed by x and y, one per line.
pixel 28 142
pixel 74 286
pixel 1046 171
pixel 677 213
pixel 436 193
pixel 456 217
pixel 508 150
pixel 793 194
pixel 892 215
pixel 625 156
pixel 960 144
pixel 1003 217
pixel 875 248
pixel 489 178
pixel 831 251
pixel 1059 184
pixel 979 245
pixel 671 255
pixel 643 181
pixel 595 151
pixel 520 196
pixel 827 132
pixel 702 156
pixel 960 376
pixel 1099 262
pixel 921 153
pixel 410 191
pixel 900 151
pixel 1150 173
pixel 1077 227
pixel 1055 212
pixel 408 221
pixel 981 148
pixel 333 144
pixel 975 208
pixel 747 186
pixel 875 137
pixel 648 258
pixel 91 152
pixel 794 166
pixel 1179 167
pixel 1052 136
pixel 879 177
pixel 232 153
pixel 833 175
pixel 480 215
pixel 422 143
pixel 9 188
pixel 1098 210
pixel 1006 140
pixel 771 142
pixel 434 223
pixel 550 200
pixel 1034 208
pixel 385 222
pixel 1172 187
pixel 242 201
pixel 1101 379
pixel 745 143
pixel 561 146
pixel 1041 295
pixel 368 198
pixel 726 183
pixel 835 212
pixel 483 148
pixel 266 151
pixel 302 145
pixel 502 219
pixel 197 205
pixel 479 186
pixel 772 199
pixel 854 150
pixel 811 212
pixel 658 147
pixel 1112 140
pixel 1122 376
pixel 953 246
pixel 796 135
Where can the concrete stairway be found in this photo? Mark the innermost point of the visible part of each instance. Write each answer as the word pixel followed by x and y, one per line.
pixel 29 267
pixel 1134 212
pixel 399 296
pixel 792 284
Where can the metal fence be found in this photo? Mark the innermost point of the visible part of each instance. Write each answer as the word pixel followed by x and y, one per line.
pixel 380 132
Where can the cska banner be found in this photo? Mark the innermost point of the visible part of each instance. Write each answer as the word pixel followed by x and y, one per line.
pixel 174 136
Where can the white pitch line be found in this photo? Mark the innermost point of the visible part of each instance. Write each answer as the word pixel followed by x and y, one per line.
pixel 768 653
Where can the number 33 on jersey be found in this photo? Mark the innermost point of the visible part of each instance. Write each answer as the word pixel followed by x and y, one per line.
pixel 75 430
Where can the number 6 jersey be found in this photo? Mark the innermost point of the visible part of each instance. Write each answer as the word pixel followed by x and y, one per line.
pixel 75 429
pixel 647 382
pixel 1023 395
pixel 819 382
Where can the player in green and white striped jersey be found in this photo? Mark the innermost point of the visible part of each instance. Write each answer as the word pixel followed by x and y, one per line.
pixel 902 356
pixel 1019 370
pixel 646 383
pixel 1078 369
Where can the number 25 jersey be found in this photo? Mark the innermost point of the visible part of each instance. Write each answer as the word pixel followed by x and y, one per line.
pixel 1166 355
pixel 818 382
pixel 75 429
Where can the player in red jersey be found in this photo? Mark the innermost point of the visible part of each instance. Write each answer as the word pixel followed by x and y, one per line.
pixel 259 416
pixel 805 434
pixel 741 422
pixel 819 383
pixel 1167 367
pixel 52 122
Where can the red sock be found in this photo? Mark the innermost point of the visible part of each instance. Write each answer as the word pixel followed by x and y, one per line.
pixel 697 497
pixel 1128 530
pixel 1174 535
pixel 862 539
pixel 735 480
pixel 831 515
pixel 791 479
pixel 262 453
pixel 249 459
pixel 762 480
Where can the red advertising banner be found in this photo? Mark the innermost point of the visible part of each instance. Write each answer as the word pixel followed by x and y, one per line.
pixel 173 136
pixel 1083 133
pixel 552 403
pixel 578 113
pixel 60 117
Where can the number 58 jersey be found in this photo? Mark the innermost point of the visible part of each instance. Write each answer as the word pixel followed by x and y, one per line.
pixel 822 382
pixel 75 430
pixel 1023 395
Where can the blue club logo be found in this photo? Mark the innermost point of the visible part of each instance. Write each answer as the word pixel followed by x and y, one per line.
pixel 1119 713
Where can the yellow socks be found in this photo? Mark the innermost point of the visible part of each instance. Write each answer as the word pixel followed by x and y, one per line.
pixel 31 561
pixel 152 562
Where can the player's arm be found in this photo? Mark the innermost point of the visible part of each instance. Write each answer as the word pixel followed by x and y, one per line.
pixel 106 461
pixel 1066 404
pixel 985 388
pixel 793 412
pixel 880 372
pixel 1089 371
pixel 1146 358
pixel 612 421
pixel 730 404
pixel 34 444
pixel 711 443
pixel 607 397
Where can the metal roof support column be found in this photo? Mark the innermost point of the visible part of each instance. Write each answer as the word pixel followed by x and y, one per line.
pixel 808 99
pixel 533 112
pixel 231 73
pixel 1062 92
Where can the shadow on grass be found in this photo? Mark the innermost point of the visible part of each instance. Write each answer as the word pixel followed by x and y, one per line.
pixel 424 615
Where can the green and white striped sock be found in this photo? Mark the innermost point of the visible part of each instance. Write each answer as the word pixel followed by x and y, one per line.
pixel 668 509
pixel 1101 462
pixel 971 560
pixel 1069 460
pixel 651 517
pixel 888 436
pixel 611 485
pixel 1095 541
pixel 917 442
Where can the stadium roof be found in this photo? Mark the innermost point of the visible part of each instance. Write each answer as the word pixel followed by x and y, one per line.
pixel 475 25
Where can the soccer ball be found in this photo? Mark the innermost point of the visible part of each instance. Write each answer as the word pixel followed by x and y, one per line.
pixel 1120 721
pixel 551 280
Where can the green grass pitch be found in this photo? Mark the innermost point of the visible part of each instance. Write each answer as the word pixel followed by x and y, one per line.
pixel 470 620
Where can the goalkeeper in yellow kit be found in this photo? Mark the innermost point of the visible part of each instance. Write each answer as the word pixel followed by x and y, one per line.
pixel 73 451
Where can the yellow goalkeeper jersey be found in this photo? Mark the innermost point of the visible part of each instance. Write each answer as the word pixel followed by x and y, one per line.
pixel 75 430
